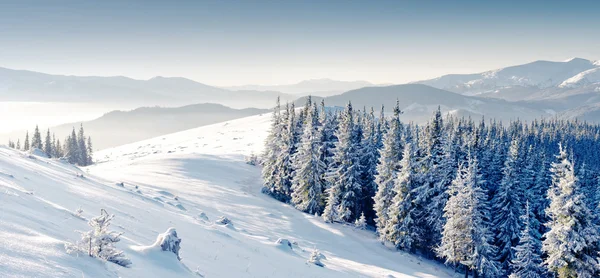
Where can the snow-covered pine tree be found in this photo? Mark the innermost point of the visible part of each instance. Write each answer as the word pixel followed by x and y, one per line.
pixel 90 151
pixel 431 196
pixel 26 142
pixel 48 144
pixel 58 148
pixel 345 174
pixel 400 228
pixel 271 150
pixel 368 163
pixel 73 153
pixel 361 223
pixel 18 145
pixel 36 140
pixel 283 162
pixel 330 213
pixel 571 243
pixel 99 242
pixel 507 206
pixel 466 235
pixel 457 244
pixel 308 183
pixel 527 262
pixel 387 169
pixel 83 155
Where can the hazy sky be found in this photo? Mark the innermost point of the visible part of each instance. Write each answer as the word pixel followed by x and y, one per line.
pixel 278 42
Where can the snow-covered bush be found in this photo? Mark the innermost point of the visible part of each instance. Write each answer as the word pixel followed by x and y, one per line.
pixel 79 211
pixel 253 160
pixel 169 242
pixel 361 223
pixel 224 221
pixel 315 258
pixel 99 242
pixel 203 216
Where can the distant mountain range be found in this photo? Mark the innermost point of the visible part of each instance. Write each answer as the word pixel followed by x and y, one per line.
pixel 20 85
pixel 316 87
pixel 540 89
pixel 121 127
pixel 418 101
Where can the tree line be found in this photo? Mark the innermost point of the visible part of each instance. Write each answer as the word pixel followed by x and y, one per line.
pixel 520 199
pixel 76 148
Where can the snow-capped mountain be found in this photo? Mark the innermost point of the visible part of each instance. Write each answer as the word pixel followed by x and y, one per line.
pixel 185 180
pixel 538 74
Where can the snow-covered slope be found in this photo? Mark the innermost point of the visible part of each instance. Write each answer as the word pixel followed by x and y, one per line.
pixel 581 79
pixel 539 74
pixel 185 180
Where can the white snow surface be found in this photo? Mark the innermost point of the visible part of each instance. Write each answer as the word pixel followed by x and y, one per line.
pixel 584 78
pixel 178 181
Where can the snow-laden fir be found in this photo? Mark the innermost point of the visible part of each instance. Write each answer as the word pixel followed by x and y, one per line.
pixel 470 194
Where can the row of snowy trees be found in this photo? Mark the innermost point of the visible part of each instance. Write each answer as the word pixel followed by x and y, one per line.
pixel 492 199
pixel 76 148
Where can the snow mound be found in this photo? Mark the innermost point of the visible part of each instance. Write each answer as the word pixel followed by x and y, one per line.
pixel 37 152
pixel 284 244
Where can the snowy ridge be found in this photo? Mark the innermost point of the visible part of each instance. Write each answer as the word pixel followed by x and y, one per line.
pixel 581 79
pixel 185 180
pixel 540 74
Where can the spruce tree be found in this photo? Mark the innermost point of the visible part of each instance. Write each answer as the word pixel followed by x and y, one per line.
pixel 73 154
pixel 368 163
pixel 26 142
pixel 308 182
pixel 81 146
pixel 431 196
pixel 571 244
pixel 400 228
pixel 90 151
pixel 507 207
pixel 18 145
pixel 387 169
pixel 48 144
pixel 59 149
pixel 272 150
pixel 466 234
pixel 36 140
pixel 345 174
pixel 283 162
pixel 527 262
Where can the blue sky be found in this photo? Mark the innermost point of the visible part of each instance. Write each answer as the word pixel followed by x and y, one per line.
pixel 278 42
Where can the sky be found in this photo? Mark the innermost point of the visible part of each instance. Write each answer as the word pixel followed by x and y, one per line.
pixel 228 43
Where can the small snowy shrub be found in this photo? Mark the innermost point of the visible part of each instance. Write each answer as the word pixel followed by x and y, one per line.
pixel 169 242
pixel 361 223
pixel 79 211
pixel 253 160
pixel 315 258
pixel 224 221
pixel 203 216
pixel 121 184
pixel 99 242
